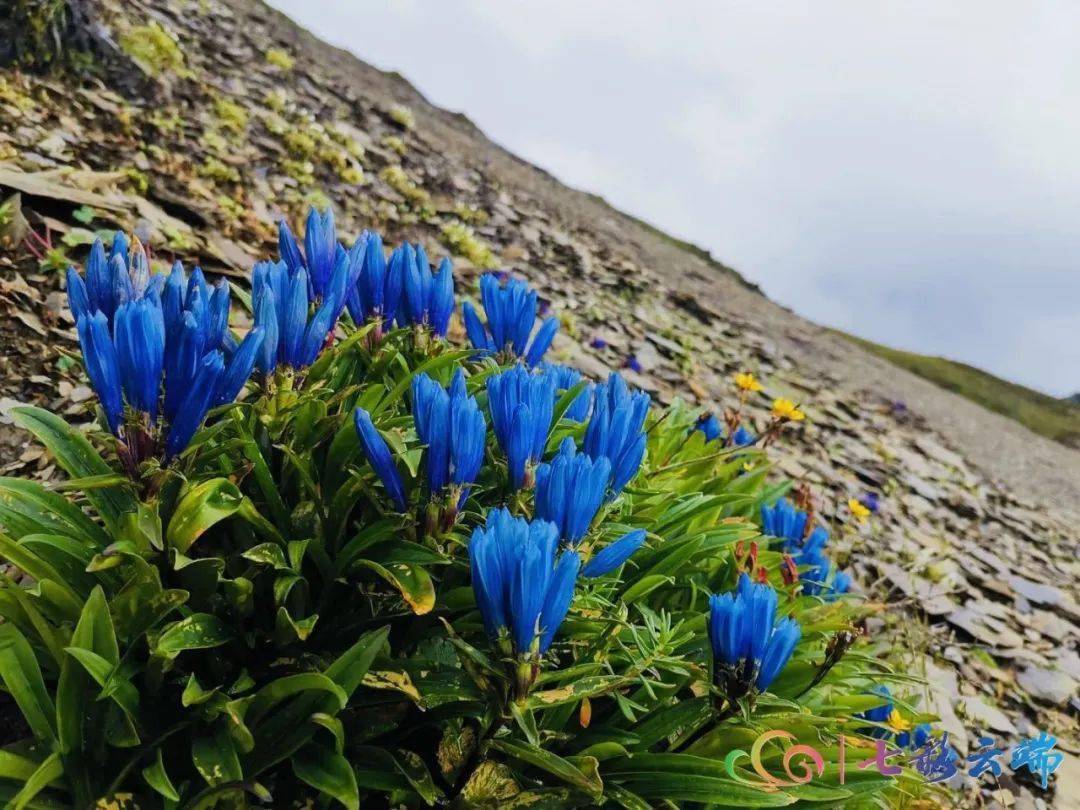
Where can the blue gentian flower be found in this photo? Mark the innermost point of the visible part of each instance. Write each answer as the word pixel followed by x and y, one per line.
pixel 871 500
pixel 916 738
pixel 742 437
pixel 570 489
pixel 783 520
pixel 522 587
pixel 709 425
pixel 110 282
pixel 616 429
pixel 452 426
pixel 378 456
pixel 282 301
pixel 612 556
pixel 633 364
pixel 429 298
pixel 748 644
pixel 196 404
pixel 102 365
pixel 239 367
pixel 511 314
pixel 320 251
pixel 565 379
pixel 522 405
pixel 598 343
pixel 379 287
pixel 140 348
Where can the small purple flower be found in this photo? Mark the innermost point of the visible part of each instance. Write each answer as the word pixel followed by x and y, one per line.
pixel 598 343
pixel 633 364
pixel 871 501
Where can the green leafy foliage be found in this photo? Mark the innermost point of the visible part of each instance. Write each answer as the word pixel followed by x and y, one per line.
pixel 257 625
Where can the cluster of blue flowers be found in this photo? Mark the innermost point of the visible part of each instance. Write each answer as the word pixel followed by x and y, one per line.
pixel 452 426
pixel 157 343
pixel 749 646
pixel 786 522
pixel 567 378
pixel 616 429
pixel 511 315
pixel 522 583
pixel 711 428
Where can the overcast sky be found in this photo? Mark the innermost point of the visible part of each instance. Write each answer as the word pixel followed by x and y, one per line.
pixel 907 174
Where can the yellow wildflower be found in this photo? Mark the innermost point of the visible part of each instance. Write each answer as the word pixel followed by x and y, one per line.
pixel 858 511
pixel 786 410
pixel 747 381
pixel 897 722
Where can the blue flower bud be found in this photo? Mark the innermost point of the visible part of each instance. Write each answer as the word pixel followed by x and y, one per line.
pixel 182 364
pixel 219 315
pixel 742 437
pixel 378 456
pixel 99 281
pixel 173 301
pixel 239 368
pixel 709 425
pixel 288 249
pixel 294 323
pixel 266 318
pixel 778 652
pixel 616 429
pixel 511 314
pixel 783 520
pixel 565 379
pixel 140 348
pixel 196 404
pixel 522 405
pixel 441 303
pixel 102 366
pixel 612 556
pixel 78 297
pixel 320 243
pixel 570 489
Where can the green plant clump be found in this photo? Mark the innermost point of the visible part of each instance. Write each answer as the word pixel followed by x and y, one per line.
pixel 298 608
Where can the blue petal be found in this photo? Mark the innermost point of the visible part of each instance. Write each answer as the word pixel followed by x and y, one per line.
pixel 196 404
pixel 240 366
pixel 102 365
pixel 611 557
pixel 560 594
pixel 378 455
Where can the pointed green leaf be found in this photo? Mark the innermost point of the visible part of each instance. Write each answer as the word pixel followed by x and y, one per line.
pixel 22 679
pixel 201 507
pixel 328 772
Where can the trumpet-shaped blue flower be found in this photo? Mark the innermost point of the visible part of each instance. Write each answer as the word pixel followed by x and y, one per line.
pixel 140 348
pixel 742 437
pixel 102 365
pixel 452 426
pixel 783 520
pixel 709 426
pixel 283 300
pixel 747 642
pixel 916 738
pixel 522 405
pixel 429 298
pixel 570 489
pixel 111 282
pixel 565 379
pixel 239 367
pixel 320 255
pixel 198 401
pixel 378 291
pixel 616 429
pixel 378 456
pixel 523 588
pixel 511 314
pixel 612 556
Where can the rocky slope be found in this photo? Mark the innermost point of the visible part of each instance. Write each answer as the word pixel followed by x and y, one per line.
pixel 228 115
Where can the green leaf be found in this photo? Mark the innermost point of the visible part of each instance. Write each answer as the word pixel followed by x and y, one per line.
pixel 78 458
pixel 682 777
pixel 112 684
pixel 215 758
pixel 200 631
pixel 412 581
pixel 30 563
pixel 157 778
pixel 203 506
pixel 49 771
pixel 328 772
pixel 282 688
pixel 22 679
pixel 26 507
pixel 553 764
pixel 412 767
pixel 14 766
